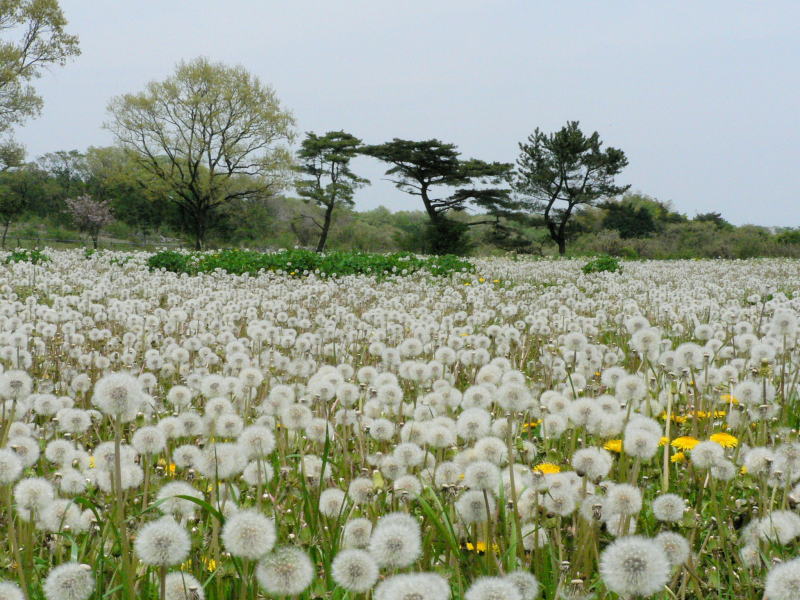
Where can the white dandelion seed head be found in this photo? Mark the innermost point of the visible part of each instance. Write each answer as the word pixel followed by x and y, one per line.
pixel 750 555
pixel 182 586
pixel 32 495
pixel 10 466
pixel 624 499
pixel 779 526
pixel 758 460
pixel 70 581
pixel 416 586
pixel 248 534
pixel 491 449
pixel 354 570
pixel 396 541
pixel 256 441
pixel 675 546
pixel 482 475
pixel 527 584
pixel 10 591
pixel 118 395
pixel 706 454
pixel 286 571
pixel 534 535
pixel 407 487
pixel 162 542
pixel 640 443
pixel 356 533
pixel 258 472
pixel 593 463
pixel 332 502
pixel 171 504
pixel 475 507
pixel 149 440
pixel 187 456
pixel 634 565
pixel 493 588
pixel 783 581
pixel 669 508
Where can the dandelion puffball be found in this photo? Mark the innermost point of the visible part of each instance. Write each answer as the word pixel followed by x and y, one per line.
pixel 354 570
pixel 162 542
pixel 634 565
pixel 70 581
pixel 286 571
pixel 248 534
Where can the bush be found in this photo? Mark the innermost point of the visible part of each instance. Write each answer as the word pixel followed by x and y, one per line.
pixel 32 256
pixel 602 264
pixel 304 262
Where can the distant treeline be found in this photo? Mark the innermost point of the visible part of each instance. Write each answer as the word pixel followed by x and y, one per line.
pixel 33 204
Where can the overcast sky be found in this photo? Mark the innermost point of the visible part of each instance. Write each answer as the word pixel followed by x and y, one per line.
pixel 701 95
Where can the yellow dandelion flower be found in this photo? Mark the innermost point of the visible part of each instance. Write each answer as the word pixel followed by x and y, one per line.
pixel 684 442
pixel 480 547
pixel 547 468
pixel 613 445
pixel 467 283
pixel 678 457
pixel 481 279
pixel 495 281
pixel 675 418
pixel 729 399
pixel 726 440
pixel 663 440
pixel 464 334
pixel 531 425
pixel 597 373
pixel 91 462
pixel 171 469
pixel 743 470
pixel 211 564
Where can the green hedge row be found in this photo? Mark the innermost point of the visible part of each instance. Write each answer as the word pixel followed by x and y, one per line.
pixel 304 262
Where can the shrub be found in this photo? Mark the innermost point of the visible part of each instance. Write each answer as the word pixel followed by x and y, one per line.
pixel 602 264
pixel 304 262
pixel 32 256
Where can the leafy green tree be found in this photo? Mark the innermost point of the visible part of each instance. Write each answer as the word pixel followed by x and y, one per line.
pixel 32 38
pixel 661 211
pixel 135 196
pixel 629 220
pixel 561 172
pixel 11 155
pixel 715 218
pixel 329 182
pixel 789 236
pixel 212 133
pixel 12 204
pixel 419 167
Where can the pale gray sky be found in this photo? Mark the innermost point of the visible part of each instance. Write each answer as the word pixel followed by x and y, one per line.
pixel 702 95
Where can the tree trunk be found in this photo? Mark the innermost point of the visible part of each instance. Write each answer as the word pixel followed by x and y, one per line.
pixel 426 201
pixel 326 226
pixel 562 246
pixel 5 233
pixel 199 231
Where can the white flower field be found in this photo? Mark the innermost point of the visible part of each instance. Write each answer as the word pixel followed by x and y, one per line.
pixel 523 431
